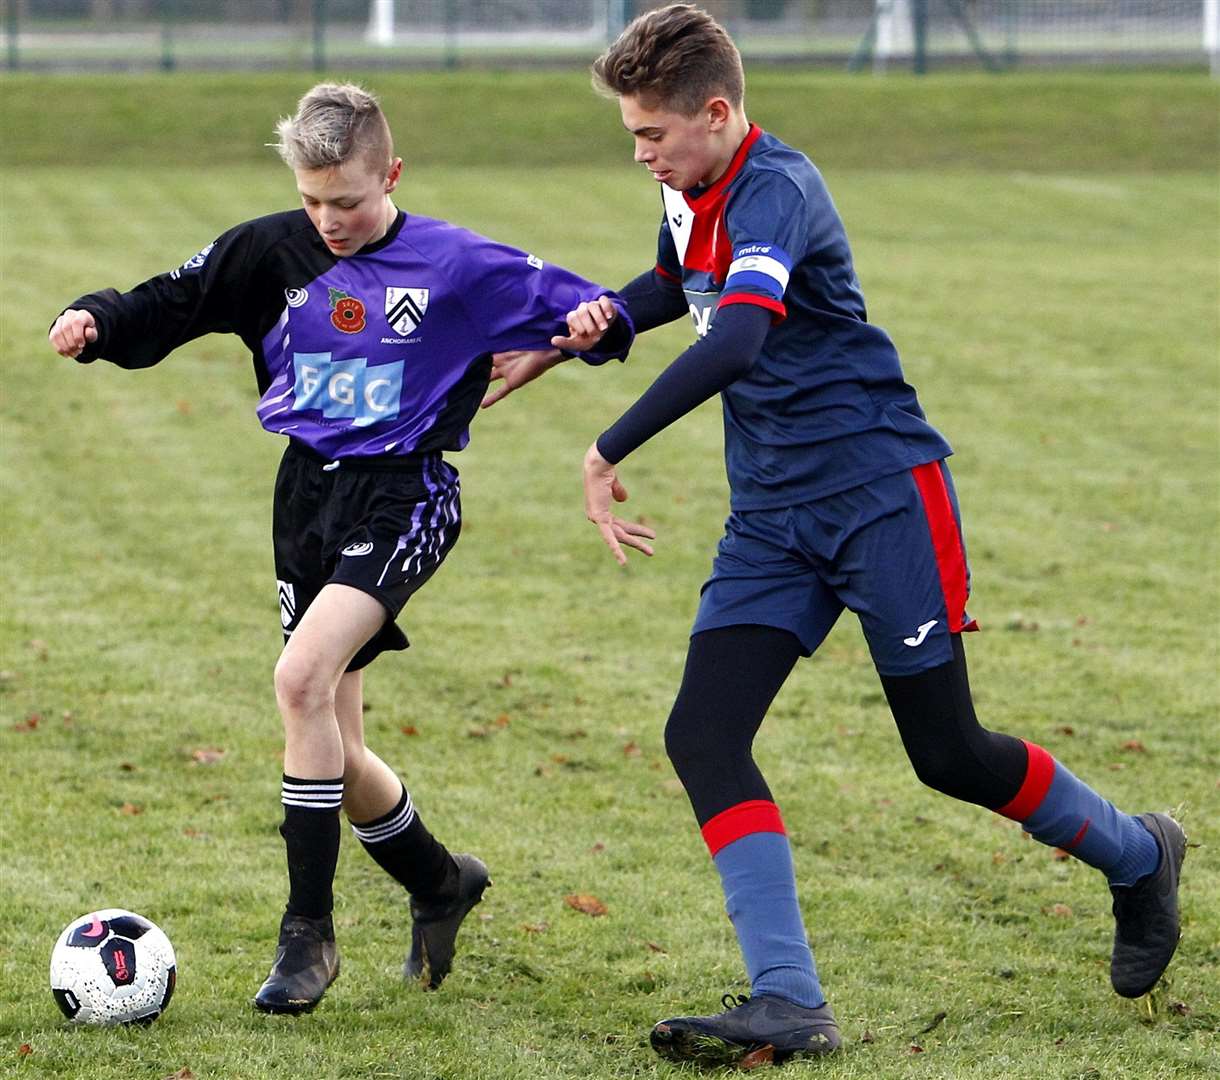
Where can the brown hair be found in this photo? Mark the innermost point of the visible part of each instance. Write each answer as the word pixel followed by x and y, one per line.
pixel 677 57
pixel 335 123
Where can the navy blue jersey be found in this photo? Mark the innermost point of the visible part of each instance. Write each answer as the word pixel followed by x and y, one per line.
pixel 825 406
pixel 386 352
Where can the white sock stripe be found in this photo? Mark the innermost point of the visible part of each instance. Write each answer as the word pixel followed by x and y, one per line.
pixel 304 805
pixel 321 796
pixel 400 822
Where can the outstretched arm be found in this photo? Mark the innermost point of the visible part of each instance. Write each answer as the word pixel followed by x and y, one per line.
pixel 590 324
pixel 707 367
pixel 651 299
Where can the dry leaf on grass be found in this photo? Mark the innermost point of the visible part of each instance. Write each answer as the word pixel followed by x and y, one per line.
pixel 583 902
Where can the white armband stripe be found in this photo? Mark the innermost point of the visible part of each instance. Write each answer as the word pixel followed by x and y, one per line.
pixel 761 264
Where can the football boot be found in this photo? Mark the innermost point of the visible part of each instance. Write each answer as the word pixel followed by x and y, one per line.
pixel 306 963
pixel 1146 920
pixel 752 1031
pixel 435 923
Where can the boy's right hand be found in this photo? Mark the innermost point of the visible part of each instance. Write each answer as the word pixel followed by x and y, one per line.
pixel 72 331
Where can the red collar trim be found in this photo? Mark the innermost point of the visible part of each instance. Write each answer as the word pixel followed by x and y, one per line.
pixel 717 189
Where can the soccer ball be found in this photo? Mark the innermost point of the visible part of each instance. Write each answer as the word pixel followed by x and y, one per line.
pixel 112 967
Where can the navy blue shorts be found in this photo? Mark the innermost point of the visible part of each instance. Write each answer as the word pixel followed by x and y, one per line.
pixel 383 527
pixel 890 550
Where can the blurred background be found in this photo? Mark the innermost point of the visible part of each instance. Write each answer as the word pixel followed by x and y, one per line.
pixel 859 34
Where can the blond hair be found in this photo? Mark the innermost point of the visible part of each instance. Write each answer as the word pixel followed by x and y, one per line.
pixel 676 58
pixel 335 123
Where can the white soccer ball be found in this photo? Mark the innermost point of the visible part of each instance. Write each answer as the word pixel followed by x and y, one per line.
pixel 112 967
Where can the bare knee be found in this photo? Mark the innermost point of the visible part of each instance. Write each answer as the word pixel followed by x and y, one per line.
pixel 301 689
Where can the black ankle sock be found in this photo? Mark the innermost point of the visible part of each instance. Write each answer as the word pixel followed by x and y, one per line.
pixel 401 845
pixel 311 835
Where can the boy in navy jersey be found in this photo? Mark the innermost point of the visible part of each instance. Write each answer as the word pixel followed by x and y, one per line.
pixel 840 498
pixel 371 332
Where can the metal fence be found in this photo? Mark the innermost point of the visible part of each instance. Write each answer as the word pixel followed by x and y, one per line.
pixel 93 35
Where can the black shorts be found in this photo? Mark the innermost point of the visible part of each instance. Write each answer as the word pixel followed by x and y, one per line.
pixel 381 526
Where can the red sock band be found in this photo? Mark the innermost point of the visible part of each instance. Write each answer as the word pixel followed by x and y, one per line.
pixel 755 816
pixel 1039 772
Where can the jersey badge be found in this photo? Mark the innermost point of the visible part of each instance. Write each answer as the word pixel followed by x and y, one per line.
pixel 296 297
pixel 405 307
pixel 346 312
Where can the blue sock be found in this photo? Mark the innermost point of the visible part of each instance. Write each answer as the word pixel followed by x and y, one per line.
pixel 1058 809
pixel 760 897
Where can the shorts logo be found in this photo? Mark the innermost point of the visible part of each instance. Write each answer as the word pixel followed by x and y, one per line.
pixel 405 307
pixel 194 262
pixel 288 603
pixel 347 389
pixel 346 312
pixel 920 634
pixel 534 261
pixel 296 297
pixel 352 551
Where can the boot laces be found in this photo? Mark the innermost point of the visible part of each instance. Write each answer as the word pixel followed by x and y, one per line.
pixel 733 1001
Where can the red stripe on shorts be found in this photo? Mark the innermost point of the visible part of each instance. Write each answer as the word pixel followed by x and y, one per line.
pixel 755 816
pixel 946 543
pixel 1039 772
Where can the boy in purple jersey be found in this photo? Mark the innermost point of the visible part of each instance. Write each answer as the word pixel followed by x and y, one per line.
pixel 371 332
pixel 840 498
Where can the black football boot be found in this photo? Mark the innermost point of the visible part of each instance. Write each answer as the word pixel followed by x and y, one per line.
pixel 752 1031
pixel 435 923
pixel 306 963
pixel 1146 922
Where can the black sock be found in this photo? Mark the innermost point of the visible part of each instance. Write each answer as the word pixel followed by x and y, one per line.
pixel 401 845
pixel 311 834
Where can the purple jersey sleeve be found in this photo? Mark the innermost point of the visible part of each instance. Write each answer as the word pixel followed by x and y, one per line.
pixel 520 302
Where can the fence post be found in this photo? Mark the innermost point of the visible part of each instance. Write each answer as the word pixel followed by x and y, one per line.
pixel 10 31
pixel 1010 33
pixel 451 34
pixel 1211 34
pixel 167 34
pixel 319 35
pixel 919 24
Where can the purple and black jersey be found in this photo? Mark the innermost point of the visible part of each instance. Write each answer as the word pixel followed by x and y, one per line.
pixel 383 353
pixel 825 406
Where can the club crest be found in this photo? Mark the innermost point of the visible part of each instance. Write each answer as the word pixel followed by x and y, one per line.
pixel 405 307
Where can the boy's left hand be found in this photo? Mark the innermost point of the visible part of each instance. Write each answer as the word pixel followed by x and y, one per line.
pixel 515 368
pixel 587 325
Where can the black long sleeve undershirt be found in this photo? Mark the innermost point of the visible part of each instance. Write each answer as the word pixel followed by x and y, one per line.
pixel 653 300
pixel 707 367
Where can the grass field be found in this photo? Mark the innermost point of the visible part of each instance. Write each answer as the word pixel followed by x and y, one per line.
pixel 1044 252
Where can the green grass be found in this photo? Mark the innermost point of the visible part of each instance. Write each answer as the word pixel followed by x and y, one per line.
pixel 1049 274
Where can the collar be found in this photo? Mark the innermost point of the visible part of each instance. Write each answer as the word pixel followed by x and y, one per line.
pixel 388 238
pixel 711 194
